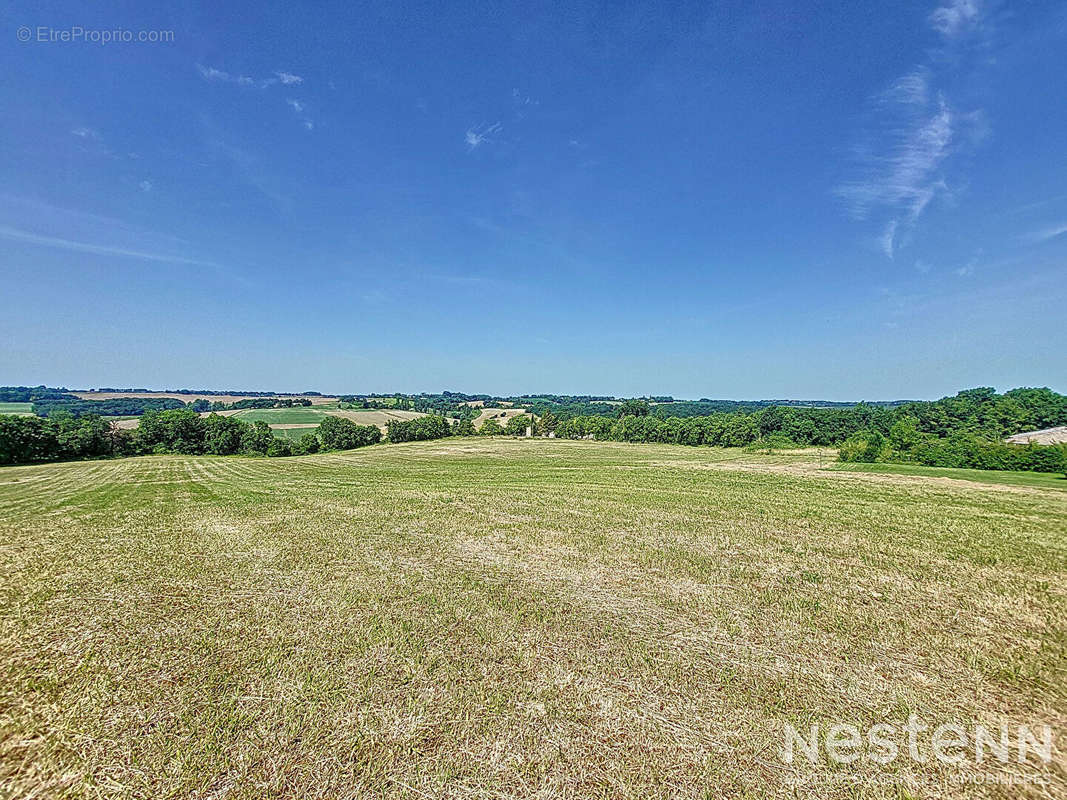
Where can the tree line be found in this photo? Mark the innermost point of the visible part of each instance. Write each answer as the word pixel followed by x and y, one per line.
pixel 64 437
pixel 965 430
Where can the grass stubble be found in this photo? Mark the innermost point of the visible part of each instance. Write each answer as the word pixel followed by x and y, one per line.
pixel 512 618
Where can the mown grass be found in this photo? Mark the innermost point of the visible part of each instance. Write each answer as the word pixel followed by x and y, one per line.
pixel 478 618
pixel 291 434
pixel 282 416
pixel 24 409
pixel 1041 480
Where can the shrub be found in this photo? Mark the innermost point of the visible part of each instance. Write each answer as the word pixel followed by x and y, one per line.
pixel 222 435
pixel 864 447
pixel 257 438
pixel 337 433
pixel 463 427
pixel 308 444
pixel 431 426
pixel 517 425
pixel 278 448
pixel 490 428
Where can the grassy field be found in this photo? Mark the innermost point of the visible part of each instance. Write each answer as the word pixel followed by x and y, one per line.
pixel 516 618
pixel 501 415
pixel 16 408
pixel 188 398
pixel 1005 477
pixel 282 416
pixel 302 416
pixel 292 434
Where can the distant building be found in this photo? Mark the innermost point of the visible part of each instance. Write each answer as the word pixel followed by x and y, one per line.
pixel 1047 436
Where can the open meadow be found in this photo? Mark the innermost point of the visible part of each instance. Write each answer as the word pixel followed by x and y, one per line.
pixel 475 617
pixel 292 423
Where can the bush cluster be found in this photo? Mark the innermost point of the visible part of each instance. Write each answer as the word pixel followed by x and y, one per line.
pixel 419 429
pixel 907 444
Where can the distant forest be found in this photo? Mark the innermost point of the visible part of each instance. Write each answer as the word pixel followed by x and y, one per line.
pixel 965 430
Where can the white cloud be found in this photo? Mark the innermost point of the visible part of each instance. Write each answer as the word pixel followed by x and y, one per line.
pixel 18 235
pixel 889 237
pixel 284 78
pixel 146 186
pixel 476 138
pixel 913 131
pixel 899 174
pixel 955 17
pixel 212 74
pixel 221 75
pixel 1045 234
pixel 85 133
pixel 298 108
pixel 912 88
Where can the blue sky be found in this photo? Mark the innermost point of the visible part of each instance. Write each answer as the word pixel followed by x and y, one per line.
pixel 728 200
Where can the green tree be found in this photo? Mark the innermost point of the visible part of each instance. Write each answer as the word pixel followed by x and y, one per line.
pixel 634 408
pixel 517 425
pixel 308 444
pixel 463 427
pixel 222 435
pixel 256 438
pixel 337 433
pixel 490 428
pixel 904 436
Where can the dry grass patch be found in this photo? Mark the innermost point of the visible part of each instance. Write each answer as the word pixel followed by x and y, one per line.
pixel 518 618
pixel 501 415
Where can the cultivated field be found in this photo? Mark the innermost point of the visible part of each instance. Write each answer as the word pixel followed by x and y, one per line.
pixel 501 415
pixel 502 618
pixel 22 409
pixel 188 398
pixel 294 422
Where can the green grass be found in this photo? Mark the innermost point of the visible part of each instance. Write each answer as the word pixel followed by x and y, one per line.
pixel 291 434
pixel 513 618
pixel 1043 480
pixel 281 416
pixel 16 408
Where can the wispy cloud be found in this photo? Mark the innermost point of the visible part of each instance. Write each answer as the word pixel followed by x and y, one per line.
pixel 476 137
pixel 899 173
pixel 888 237
pixel 222 76
pixel 146 186
pixel 956 17
pixel 215 74
pixel 280 77
pixel 1045 234
pixel 298 108
pixel 85 133
pixel 914 129
pixel 18 235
